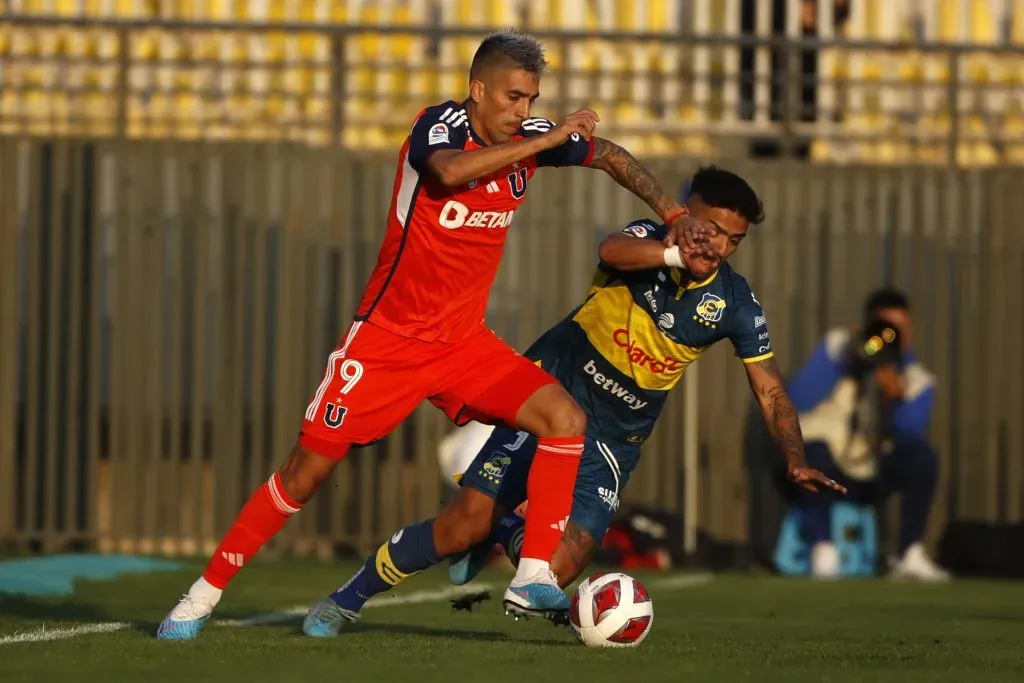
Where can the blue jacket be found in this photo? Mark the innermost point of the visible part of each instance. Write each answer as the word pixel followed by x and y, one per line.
pixel 817 379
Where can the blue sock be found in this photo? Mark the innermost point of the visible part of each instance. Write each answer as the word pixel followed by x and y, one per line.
pixel 509 535
pixel 408 552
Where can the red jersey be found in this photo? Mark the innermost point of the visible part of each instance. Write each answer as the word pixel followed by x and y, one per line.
pixel 443 244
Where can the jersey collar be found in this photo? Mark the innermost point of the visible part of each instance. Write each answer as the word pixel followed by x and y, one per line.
pixel 469 125
pixel 677 276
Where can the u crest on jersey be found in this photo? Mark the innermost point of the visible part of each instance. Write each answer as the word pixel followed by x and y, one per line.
pixel 334 415
pixel 517 183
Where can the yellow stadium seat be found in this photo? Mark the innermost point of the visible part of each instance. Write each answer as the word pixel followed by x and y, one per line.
pixel 977 149
pixel 128 8
pixel 1013 132
pixel 822 151
pixel 689 144
pixel 1017 23
pixel 10 110
pixel 314 84
pixel 928 136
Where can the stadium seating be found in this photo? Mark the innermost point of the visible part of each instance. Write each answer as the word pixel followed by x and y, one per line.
pixel 658 97
pixel 898 107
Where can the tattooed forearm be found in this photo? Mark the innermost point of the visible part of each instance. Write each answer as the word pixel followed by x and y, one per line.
pixel 580 545
pixel 779 413
pixel 631 174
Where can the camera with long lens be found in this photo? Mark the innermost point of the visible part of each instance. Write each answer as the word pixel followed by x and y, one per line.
pixel 879 343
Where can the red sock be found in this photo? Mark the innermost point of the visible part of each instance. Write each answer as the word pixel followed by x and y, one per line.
pixel 262 517
pixel 549 492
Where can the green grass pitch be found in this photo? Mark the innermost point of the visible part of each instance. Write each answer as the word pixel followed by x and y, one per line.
pixel 721 629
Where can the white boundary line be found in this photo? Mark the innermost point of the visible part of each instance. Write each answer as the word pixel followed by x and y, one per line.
pixel 45 634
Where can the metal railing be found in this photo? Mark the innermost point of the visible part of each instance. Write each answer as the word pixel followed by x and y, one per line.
pixel 665 93
pixel 166 309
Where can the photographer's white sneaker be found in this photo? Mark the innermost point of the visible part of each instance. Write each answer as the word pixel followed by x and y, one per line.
pixel 917 566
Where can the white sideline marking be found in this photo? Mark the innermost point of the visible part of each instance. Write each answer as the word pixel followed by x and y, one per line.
pixel 414 598
pixel 44 634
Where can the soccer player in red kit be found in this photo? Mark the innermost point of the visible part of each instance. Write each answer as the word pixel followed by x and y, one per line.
pixel 420 334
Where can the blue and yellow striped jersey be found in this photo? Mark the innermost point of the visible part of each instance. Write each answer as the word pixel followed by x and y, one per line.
pixel 623 349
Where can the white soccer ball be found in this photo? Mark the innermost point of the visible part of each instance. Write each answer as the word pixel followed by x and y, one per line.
pixel 611 610
pixel 458 449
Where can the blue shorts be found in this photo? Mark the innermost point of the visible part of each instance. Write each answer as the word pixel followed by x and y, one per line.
pixel 501 467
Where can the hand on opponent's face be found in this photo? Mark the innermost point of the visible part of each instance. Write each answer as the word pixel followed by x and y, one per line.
pixel 693 236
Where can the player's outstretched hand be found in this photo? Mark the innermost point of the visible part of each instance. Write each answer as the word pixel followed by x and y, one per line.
pixel 811 478
pixel 693 235
pixel 582 122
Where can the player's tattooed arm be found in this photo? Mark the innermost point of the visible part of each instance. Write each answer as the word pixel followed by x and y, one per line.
pixel 689 233
pixel 783 424
pixel 579 545
pixel 779 413
pixel 631 174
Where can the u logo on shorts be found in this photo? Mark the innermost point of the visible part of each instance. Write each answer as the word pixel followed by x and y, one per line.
pixel 334 415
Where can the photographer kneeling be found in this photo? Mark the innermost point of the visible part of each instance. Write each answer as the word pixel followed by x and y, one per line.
pixel 864 403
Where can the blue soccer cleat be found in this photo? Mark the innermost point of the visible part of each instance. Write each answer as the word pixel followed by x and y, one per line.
pixel 326 619
pixel 185 621
pixel 540 596
pixel 465 567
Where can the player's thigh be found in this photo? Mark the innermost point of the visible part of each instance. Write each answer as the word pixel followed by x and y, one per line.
pixel 500 469
pixel 372 382
pixel 492 383
pixel 604 471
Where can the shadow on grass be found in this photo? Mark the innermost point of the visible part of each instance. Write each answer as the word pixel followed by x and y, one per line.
pixel 49 609
pixel 461 634
pixel 291 626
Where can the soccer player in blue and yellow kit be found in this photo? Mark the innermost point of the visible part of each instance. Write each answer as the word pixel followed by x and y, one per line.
pixel 650 312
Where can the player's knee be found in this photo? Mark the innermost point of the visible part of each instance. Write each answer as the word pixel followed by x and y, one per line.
pixel 564 418
pixel 552 412
pixel 303 472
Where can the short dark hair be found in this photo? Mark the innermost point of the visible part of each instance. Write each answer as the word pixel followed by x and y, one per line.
pixel 887 297
pixel 725 190
pixel 509 47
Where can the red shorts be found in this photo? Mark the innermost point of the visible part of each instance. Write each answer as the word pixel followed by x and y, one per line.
pixel 376 378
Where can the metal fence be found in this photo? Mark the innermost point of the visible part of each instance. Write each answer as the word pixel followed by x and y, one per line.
pixel 166 309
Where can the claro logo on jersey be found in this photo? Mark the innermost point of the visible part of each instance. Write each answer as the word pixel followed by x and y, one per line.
pixel 639 356
pixel 457 215
pixel 628 338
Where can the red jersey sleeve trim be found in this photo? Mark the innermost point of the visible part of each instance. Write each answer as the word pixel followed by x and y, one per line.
pixel 590 153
